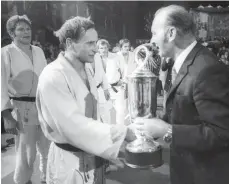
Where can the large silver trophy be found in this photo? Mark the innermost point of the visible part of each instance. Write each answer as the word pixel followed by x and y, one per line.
pixel 144 152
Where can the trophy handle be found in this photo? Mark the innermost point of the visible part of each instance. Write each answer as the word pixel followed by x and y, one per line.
pixel 137 50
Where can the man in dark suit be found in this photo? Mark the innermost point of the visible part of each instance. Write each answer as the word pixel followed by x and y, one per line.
pixel 197 108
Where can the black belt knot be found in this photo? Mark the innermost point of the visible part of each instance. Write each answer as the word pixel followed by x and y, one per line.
pixel 24 99
pixel 99 85
pixel 99 162
pixel 113 87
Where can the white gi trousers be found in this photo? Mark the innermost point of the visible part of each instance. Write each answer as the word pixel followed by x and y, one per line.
pixel 30 138
pixel 104 107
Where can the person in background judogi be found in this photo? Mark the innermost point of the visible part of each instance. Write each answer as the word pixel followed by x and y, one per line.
pixel 106 59
pixel 99 68
pixel 67 106
pixel 103 53
pixel 117 71
pixel 22 64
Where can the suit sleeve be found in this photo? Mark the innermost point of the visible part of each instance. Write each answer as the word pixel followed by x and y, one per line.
pixel 211 98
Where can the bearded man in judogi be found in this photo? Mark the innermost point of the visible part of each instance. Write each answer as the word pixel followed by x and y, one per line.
pixel 67 106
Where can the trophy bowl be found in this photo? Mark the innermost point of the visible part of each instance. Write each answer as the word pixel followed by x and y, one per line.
pixel 143 152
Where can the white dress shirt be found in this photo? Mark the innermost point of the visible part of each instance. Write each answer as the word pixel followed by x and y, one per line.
pixel 183 55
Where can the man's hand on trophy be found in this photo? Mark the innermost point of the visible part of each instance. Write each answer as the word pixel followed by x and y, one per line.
pixel 154 127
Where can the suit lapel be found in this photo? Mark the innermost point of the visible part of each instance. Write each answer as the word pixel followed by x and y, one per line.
pixel 183 70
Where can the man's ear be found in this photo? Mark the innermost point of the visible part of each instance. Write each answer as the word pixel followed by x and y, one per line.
pixel 68 43
pixel 12 35
pixel 172 33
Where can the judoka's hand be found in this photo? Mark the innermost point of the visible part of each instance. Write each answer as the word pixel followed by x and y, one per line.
pixel 130 135
pixel 107 94
pixel 154 127
pixel 118 163
pixel 11 126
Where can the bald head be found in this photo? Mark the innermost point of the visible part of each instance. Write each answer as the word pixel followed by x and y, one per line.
pixel 178 17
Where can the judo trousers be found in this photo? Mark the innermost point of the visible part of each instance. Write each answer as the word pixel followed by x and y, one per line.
pixel 29 138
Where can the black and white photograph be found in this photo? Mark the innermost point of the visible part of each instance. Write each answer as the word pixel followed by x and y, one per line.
pixel 114 92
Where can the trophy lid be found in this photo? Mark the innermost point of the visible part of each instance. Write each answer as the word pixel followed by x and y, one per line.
pixel 141 71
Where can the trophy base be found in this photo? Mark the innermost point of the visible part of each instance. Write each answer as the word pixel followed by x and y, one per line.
pixel 142 167
pixel 144 160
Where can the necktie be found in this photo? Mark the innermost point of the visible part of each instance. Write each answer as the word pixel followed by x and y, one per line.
pixel 170 78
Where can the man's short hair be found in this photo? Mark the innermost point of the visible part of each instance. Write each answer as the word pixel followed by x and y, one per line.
pixel 123 41
pixel 103 42
pixel 14 20
pixel 178 17
pixel 74 28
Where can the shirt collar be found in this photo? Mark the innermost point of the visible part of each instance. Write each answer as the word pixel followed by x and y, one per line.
pixel 18 47
pixel 183 55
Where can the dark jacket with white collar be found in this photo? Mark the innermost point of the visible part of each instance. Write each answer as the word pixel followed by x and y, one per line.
pixel 198 108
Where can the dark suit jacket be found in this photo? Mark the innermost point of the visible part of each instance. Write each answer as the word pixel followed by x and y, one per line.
pixel 198 108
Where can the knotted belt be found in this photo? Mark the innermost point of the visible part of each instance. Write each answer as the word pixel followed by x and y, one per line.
pixel 24 99
pixel 99 162
pixel 113 87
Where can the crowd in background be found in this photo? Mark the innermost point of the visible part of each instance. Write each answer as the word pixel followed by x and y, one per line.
pixel 220 47
pixel 223 54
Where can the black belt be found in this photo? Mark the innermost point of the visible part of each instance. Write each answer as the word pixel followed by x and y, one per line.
pixel 99 85
pixel 68 147
pixel 99 162
pixel 114 84
pixel 24 98
pixel 113 87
